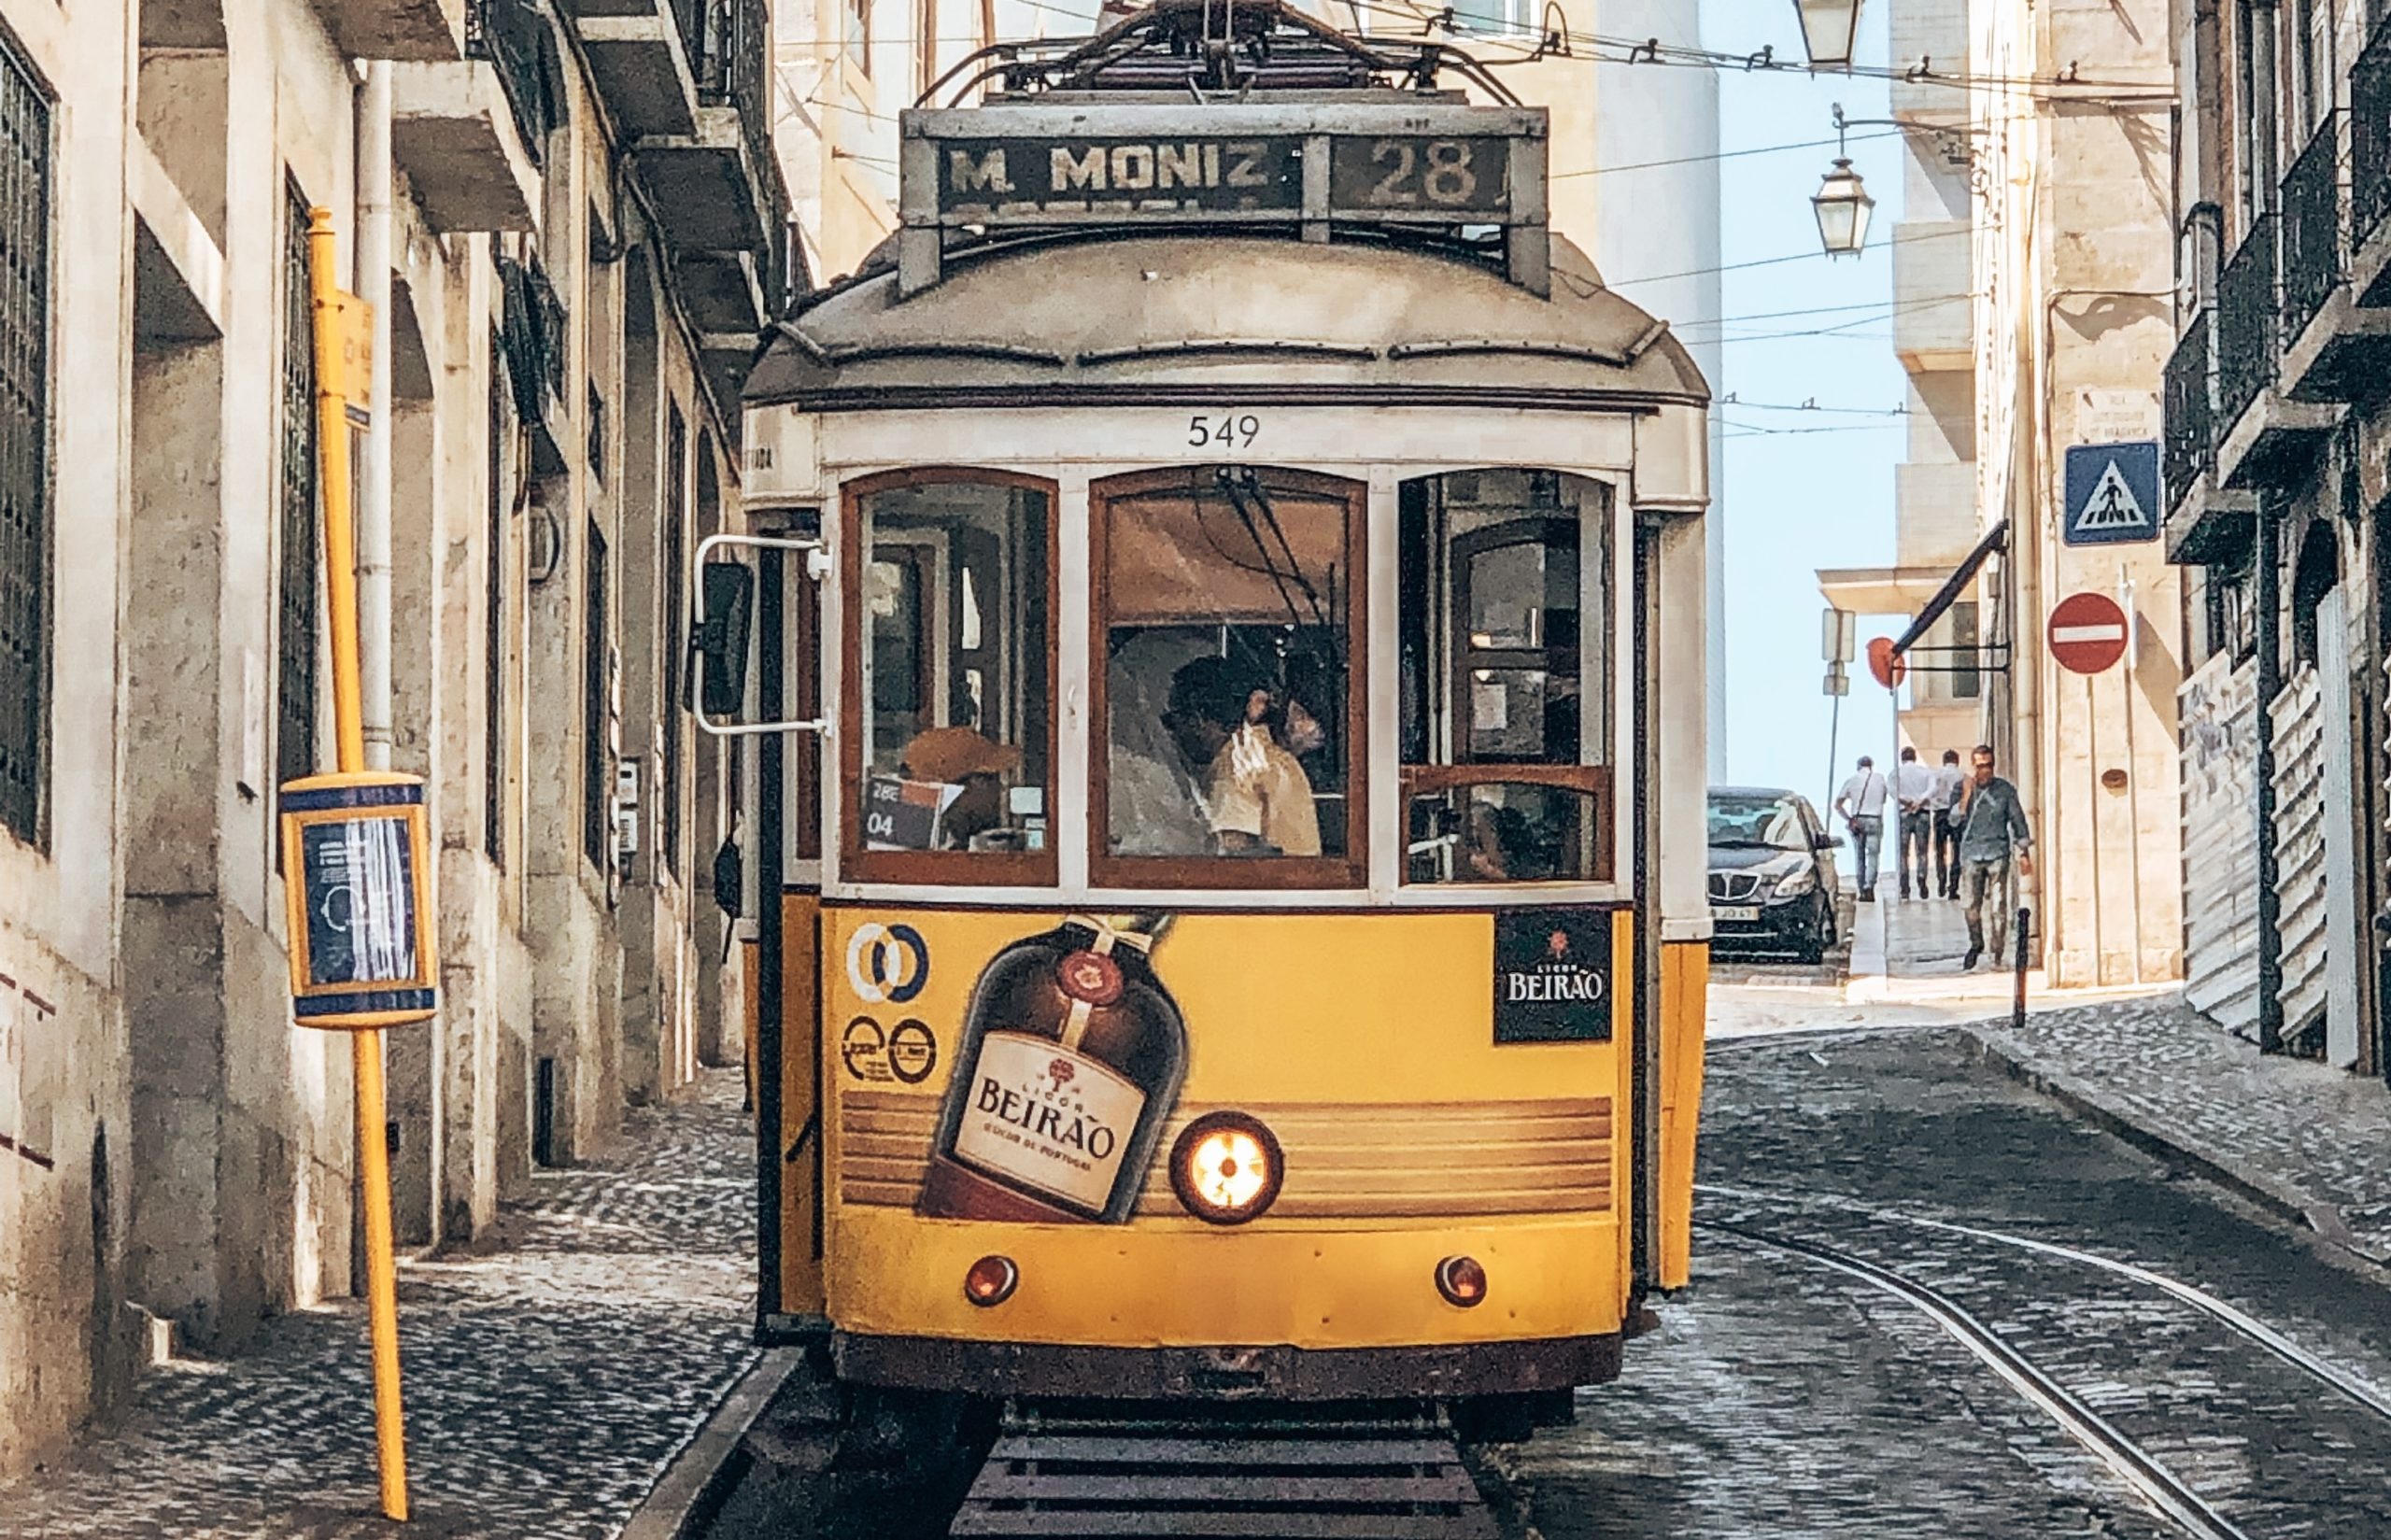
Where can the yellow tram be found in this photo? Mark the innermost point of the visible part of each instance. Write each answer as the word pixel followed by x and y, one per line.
pixel 1229 747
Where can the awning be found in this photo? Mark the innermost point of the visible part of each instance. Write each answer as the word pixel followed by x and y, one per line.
pixel 1953 587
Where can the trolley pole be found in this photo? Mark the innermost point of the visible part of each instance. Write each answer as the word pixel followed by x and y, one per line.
pixel 332 372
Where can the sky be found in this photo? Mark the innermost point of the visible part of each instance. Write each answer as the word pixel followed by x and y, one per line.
pixel 1797 497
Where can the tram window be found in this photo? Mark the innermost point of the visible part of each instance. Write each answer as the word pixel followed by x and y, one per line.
pixel 1228 631
pixel 950 774
pixel 1506 676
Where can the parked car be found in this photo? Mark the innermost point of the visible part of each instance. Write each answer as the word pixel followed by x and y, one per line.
pixel 1773 882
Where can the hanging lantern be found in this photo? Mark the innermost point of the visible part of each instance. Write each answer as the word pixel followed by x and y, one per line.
pixel 1843 207
pixel 1828 29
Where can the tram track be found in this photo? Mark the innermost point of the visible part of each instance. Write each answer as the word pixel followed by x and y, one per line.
pixel 2356 1388
pixel 2211 1415
pixel 2170 1494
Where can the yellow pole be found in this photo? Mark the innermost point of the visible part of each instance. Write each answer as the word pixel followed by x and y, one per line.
pixel 349 718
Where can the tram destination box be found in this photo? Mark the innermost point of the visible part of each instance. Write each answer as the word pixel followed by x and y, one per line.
pixel 1312 165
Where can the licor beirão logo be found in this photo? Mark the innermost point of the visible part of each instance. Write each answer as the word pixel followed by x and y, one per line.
pixel 1557 978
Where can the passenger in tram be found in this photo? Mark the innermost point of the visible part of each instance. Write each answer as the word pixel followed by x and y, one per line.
pixel 1158 804
pixel 960 757
pixel 1261 798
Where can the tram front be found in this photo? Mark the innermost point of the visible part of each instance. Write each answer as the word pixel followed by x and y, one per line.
pixel 1241 917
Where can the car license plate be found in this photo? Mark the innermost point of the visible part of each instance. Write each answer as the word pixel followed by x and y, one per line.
pixel 1735 911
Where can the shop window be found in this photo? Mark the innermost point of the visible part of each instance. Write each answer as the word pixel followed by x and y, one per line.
pixel 951 769
pixel 1506 678
pixel 1228 632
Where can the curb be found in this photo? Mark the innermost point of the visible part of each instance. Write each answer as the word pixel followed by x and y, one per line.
pixel 2311 1216
pixel 703 1472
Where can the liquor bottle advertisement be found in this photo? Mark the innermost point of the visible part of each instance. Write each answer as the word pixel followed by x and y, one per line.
pixel 1035 1067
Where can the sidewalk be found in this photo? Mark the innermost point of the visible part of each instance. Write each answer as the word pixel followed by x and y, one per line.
pixel 2309 1142
pixel 2312 1144
pixel 550 1375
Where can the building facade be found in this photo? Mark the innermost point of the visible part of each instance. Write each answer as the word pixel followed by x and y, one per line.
pixel 576 230
pixel 2280 512
pixel 2032 313
pixel 2071 280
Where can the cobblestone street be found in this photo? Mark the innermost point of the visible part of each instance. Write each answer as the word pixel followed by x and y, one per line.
pixel 1786 1400
pixel 550 1375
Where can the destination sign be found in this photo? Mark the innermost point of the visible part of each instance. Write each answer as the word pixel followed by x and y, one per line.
pixel 1012 177
pixel 1308 165
pixel 1387 175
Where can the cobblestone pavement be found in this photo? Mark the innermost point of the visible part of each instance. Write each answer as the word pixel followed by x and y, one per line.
pixel 2303 1138
pixel 1784 1400
pixel 550 1373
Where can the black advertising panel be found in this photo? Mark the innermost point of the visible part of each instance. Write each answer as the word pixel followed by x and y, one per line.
pixel 1552 975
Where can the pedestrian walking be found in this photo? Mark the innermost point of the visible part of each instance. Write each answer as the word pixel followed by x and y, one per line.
pixel 1993 839
pixel 1913 787
pixel 1862 805
pixel 1950 786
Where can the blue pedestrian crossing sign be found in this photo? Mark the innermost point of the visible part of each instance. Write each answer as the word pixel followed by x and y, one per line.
pixel 2111 493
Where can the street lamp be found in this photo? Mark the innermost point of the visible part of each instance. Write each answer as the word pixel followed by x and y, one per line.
pixel 1828 28
pixel 1843 205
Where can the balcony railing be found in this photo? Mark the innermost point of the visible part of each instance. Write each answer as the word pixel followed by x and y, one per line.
pixel 735 68
pixel 2370 135
pixel 2314 260
pixel 517 42
pixel 2248 315
pixel 2189 445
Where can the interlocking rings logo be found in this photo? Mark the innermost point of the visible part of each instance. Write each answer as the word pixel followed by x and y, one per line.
pixel 890 963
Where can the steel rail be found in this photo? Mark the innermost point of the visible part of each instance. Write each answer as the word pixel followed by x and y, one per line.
pixel 2165 1490
pixel 2362 1391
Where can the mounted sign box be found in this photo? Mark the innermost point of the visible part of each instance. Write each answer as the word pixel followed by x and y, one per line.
pixel 356 855
pixel 1308 165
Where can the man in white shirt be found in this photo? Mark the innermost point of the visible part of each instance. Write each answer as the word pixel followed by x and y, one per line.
pixel 1861 804
pixel 1950 781
pixel 1913 788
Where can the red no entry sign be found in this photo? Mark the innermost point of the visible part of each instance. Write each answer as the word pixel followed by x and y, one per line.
pixel 2088 632
pixel 1888 666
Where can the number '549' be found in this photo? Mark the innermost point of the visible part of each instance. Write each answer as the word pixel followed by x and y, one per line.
pixel 1227 432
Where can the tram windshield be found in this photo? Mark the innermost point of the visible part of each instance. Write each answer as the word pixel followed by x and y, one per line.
pixel 1227 629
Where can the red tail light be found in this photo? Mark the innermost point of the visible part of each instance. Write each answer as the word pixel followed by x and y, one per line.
pixel 991 1280
pixel 1462 1281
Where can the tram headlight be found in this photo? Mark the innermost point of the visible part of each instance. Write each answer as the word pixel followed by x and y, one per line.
pixel 1227 1167
pixel 991 1280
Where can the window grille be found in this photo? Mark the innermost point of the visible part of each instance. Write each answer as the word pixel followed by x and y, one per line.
pixel 677 482
pixel 494 567
pixel 25 448
pixel 295 690
pixel 596 691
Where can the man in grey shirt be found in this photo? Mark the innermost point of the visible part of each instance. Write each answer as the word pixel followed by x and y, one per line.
pixel 1992 831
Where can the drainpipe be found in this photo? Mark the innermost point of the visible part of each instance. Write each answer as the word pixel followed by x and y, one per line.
pixel 374 197
pixel 2265 600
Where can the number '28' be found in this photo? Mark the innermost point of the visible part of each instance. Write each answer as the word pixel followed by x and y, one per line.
pixel 1446 178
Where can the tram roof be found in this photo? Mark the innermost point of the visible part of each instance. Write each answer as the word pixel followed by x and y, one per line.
pixel 1091 319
